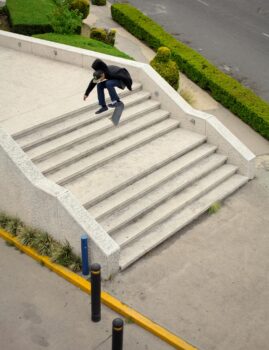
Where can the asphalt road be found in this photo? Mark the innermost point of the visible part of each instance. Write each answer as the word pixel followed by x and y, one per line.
pixel 234 35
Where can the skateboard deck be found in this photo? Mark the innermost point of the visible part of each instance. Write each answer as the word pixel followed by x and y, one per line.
pixel 117 114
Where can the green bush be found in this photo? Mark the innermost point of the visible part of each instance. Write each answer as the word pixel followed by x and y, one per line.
pixel 104 35
pixel 84 43
pixel 30 16
pixel 229 92
pixel 83 6
pixel 167 68
pixel 65 20
pixel 99 2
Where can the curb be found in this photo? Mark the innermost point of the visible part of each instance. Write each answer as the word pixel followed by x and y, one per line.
pixel 106 298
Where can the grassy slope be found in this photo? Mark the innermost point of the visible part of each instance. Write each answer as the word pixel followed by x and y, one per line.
pixel 84 43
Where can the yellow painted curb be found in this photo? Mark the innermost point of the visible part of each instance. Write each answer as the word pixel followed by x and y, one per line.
pixel 106 298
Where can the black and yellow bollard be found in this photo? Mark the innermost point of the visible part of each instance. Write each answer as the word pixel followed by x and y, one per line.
pixel 96 292
pixel 117 334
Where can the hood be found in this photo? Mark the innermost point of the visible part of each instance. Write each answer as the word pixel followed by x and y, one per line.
pixel 99 65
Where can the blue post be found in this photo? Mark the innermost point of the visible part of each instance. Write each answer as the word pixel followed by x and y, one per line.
pixel 84 255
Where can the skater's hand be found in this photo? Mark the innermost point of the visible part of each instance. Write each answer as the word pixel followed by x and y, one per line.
pixel 85 97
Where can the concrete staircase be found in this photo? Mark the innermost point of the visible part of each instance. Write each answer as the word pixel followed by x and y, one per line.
pixel 143 180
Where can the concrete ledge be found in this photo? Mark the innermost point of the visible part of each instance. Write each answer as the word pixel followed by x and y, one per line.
pixel 106 298
pixel 26 193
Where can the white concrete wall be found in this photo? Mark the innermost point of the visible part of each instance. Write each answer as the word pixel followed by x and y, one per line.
pixel 38 202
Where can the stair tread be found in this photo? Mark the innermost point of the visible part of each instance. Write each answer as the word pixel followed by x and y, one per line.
pixel 159 234
pixel 151 181
pixel 95 143
pixel 99 122
pixel 174 204
pixel 136 208
pixel 22 136
pixel 107 179
pixel 84 165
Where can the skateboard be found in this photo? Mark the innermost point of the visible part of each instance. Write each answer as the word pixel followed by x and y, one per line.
pixel 117 114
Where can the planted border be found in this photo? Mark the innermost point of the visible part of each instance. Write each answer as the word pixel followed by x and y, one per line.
pixel 42 242
pixel 229 92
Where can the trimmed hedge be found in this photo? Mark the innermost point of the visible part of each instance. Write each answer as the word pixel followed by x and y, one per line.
pixel 102 34
pixel 84 43
pixel 229 92
pixel 83 6
pixel 99 2
pixel 30 16
pixel 167 68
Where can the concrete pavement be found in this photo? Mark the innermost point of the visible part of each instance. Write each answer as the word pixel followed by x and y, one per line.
pixel 40 310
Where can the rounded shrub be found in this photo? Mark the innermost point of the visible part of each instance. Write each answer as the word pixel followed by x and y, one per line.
pixel 163 54
pixel 111 36
pixel 166 67
pixel 99 2
pixel 98 34
pixel 83 6
pixel 102 34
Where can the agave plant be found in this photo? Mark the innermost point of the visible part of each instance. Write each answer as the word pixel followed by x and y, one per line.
pixel 27 236
pixel 14 226
pixel 64 255
pixel 44 243
pixel 3 220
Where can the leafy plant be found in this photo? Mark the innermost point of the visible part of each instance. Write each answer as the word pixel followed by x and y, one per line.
pixel 63 255
pixel 4 219
pixel 102 34
pixel 99 2
pixel 65 20
pixel 44 243
pixel 82 6
pixel 27 236
pixel 215 207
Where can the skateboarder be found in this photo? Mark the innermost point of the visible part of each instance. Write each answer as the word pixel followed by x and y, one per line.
pixel 108 77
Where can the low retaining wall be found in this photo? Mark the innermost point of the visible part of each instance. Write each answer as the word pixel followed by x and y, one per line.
pixel 38 202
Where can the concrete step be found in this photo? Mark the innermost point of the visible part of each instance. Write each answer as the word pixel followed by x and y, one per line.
pixel 127 128
pixel 119 219
pixel 150 182
pixel 107 179
pixel 166 229
pixel 87 164
pixel 173 205
pixel 95 125
pixel 21 136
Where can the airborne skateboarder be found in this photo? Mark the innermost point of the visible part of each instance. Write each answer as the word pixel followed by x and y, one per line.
pixel 109 77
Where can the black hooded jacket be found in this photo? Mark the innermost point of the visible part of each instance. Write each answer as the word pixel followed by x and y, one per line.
pixel 111 72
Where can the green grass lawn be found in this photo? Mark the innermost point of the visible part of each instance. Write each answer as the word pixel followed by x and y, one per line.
pixel 84 43
pixel 30 12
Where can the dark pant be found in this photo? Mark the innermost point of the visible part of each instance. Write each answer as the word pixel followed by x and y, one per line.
pixel 110 86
